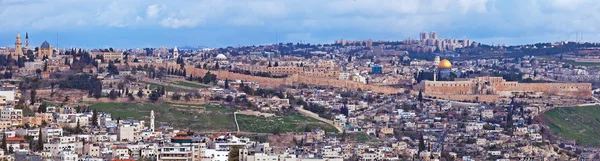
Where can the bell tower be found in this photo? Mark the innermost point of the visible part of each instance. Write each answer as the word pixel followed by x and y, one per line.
pixel 18 46
pixel 26 40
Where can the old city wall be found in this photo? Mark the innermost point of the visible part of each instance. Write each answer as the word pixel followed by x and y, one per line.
pixel 447 87
pixel 276 82
pixel 560 89
pixel 344 84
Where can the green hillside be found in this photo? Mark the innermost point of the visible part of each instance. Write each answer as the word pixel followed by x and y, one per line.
pixel 579 123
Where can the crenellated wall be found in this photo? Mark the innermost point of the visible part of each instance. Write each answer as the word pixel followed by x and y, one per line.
pixel 560 89
pixel 484 86
pixel 296 78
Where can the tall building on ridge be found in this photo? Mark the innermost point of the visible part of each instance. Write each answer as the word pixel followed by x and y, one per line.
pixel 423 36
pixel 433 35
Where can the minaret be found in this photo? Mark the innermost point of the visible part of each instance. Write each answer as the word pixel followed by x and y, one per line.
pixel 26 40
pixel 18 46
pixel 436 62
pixel 152 120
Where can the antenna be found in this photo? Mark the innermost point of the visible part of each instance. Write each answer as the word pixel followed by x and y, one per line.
pixel 57 41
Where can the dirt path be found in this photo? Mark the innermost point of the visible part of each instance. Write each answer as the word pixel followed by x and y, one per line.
pixel 316 116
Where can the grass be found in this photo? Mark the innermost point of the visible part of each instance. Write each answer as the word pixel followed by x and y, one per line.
pixel 578 123
pixel 188 84
pixel 195 117
pixel 209 118
pixel 28 112
pixel 287 123
pixel 361 137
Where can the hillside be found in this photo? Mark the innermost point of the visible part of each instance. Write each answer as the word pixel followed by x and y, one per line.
pixel 578 123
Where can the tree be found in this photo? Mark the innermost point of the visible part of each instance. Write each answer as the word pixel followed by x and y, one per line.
pixel 269 64
pixel 154 96
pixel 45 66
pixel 343 136
pixel 42 108
pixel 277 130
pixel 130 96
pixel 4 141
pixel 421 143
pixel 112 68
pixel 187 97
pixel 176 96
pixel 226 84
pixel 29 139
pixel 217 66
pixel 229 98
pixel 113 94
pixel 94 117
pixel 78 128
pixel 140 93
pixel 276 64
pixel 420 97
pixel 33 96
pixel 349 58
pixel 234 153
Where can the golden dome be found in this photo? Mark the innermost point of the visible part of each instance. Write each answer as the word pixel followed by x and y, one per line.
pixel 445 64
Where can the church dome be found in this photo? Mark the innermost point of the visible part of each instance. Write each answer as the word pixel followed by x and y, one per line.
pixel 445 64
pixel 45 45
pixel 221 57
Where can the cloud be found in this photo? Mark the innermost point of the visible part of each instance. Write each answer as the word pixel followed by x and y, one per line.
pixel 153 10
pixel 484 20
pixel 178 22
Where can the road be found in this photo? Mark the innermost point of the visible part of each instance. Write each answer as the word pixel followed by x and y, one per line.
pixel 236 123
pixel 440 142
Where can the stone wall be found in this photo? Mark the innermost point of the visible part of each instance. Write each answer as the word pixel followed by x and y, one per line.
pixel 296 78
pixel 447 87
pixel 493 86
pixel 345 84
pixel 559 89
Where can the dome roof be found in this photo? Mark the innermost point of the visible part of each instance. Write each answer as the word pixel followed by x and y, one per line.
pixel 221 57
pixel 45 45
pixel 445 64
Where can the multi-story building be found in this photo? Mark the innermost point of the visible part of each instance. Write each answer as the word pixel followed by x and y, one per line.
pixel 50 133
pixel 108 55
pixel 15 116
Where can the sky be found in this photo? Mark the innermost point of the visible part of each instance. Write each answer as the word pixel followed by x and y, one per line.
pixel 220 23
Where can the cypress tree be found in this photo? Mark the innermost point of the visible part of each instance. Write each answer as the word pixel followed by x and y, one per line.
pixel 40 144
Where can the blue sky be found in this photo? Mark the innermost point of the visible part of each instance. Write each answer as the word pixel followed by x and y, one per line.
pixel 217 23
